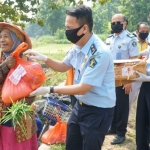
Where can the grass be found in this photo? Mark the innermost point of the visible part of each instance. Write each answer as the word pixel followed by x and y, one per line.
pixel 53 48
pixel 57 52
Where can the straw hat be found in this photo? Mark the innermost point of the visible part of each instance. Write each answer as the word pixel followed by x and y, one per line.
pixel 18 31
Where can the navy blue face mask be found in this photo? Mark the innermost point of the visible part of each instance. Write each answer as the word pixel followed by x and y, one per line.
pixel 72 35
pixel 143 36
pixel 117 28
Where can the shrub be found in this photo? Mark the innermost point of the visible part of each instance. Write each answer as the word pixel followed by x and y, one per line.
pixel 46 39
pixel 60 34
pixel 103 36
pixel 63 41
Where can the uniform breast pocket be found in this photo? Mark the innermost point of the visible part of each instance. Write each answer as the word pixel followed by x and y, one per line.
pixel 124 52
pixel 123 47
pixel 73 62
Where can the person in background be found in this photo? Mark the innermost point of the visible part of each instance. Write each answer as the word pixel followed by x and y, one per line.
pixel 143 113
pixel 148 38
pixel 142 33
pixel 10 37
pixel 126 25
pixel 94 84
pixel 122 45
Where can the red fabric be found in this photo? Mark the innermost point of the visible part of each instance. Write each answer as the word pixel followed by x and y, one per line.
pixel 8 140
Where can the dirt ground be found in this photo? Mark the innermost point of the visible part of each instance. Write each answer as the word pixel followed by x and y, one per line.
pixel 129 143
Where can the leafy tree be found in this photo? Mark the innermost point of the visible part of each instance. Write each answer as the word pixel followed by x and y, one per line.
pixel 136 11
pixel 53 19
pixel 102 16
pixel 17 11
pixel 34 30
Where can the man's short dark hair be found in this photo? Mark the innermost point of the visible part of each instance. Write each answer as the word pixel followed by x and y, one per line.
pixel 126 20
pixel 83 14
pixel 139 24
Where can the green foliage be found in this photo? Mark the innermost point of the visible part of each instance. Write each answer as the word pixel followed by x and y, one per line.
pixel 34 30
pixel 102 15
pixel 16 11
pixel 17 112
pixel 103 37
pixel 136 11
pixel 63 41
pixel 94 1
pixel 43 40
pixel 54 78
pixel 58 146
pixel 54 19
pixel 46 39
pixel 60 34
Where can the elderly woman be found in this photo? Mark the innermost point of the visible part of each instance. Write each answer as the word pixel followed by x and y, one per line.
pixel 10 37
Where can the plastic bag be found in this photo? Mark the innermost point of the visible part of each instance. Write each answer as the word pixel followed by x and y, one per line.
pixel 70 77
pixel 24 78
pixel 57 134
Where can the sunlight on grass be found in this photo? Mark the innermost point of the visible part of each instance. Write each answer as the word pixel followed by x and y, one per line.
pixel 53 48
pixel 58 146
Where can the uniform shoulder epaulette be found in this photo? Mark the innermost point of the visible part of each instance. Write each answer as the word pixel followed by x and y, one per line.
pixel 134 34
pixel 130 35
pixel 110 35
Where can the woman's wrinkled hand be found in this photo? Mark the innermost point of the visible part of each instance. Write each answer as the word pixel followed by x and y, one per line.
pixel 10 62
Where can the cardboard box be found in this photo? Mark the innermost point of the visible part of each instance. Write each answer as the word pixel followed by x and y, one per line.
pixel 125 70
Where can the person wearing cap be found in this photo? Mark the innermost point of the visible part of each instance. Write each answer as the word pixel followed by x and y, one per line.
pixel 10 37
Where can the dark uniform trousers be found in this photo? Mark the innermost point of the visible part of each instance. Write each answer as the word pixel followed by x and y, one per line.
pixel 143 118
pixel 121 113
pixel 87 127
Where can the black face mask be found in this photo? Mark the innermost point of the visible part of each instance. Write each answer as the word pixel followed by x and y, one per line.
pixel 143 36
pixel 72 35
pixel 117 28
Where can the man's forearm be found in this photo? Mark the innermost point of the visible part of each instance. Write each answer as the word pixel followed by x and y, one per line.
pixel 57 65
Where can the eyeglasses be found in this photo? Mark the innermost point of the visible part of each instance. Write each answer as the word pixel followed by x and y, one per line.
pixel 117 22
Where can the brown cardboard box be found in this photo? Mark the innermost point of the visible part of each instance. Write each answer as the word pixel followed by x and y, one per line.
pixel 125 70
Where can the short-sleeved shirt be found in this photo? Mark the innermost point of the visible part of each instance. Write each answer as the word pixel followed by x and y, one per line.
pixel 93 65
pixel 123 46
pixel 143 46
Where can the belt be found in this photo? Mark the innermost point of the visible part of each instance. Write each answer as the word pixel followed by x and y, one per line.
pixel 83 104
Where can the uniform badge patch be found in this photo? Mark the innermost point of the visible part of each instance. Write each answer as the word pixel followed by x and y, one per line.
pixel 134 43
pixel 94 56
pixel 93 49
pixel 93 62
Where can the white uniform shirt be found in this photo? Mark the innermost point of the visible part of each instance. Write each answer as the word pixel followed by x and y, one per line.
pixel 122 46
pixel 94 68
